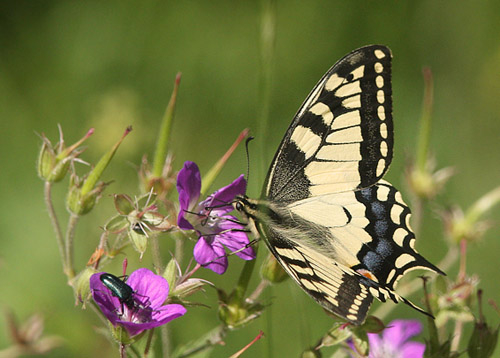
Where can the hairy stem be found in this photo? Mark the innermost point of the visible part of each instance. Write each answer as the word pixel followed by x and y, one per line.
pixel 70 236
pixel 55 222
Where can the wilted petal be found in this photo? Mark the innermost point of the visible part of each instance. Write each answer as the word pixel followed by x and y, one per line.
pixel 211 256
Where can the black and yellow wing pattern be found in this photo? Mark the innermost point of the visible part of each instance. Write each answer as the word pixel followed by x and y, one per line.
pixel 339 230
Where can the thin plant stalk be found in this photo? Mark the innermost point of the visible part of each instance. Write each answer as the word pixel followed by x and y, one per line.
pixel 69 240
pixel 55 222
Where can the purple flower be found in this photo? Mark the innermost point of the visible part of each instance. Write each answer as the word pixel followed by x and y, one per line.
pixel 209 218
pixel 145 311
pixel 395 341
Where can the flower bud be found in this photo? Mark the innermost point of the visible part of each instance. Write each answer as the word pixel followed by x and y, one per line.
pixel 336 335
pixel 81 285
pixel 426 183
pixel 171 274
pixel 83 194
pixel 236 313
pixel 54 161
pixel 272 271
pixel 311 353
pixel 460 225
pixel 483 341
pixel 79 202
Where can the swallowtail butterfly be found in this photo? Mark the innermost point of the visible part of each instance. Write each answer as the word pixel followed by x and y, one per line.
pixel 339 230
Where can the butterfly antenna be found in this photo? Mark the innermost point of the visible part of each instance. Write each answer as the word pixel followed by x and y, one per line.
pixel 248 156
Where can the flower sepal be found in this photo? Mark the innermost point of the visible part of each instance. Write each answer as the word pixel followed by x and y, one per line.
pixel 81 284
pixel 121 335
pixel 79 202
pixel 335 335
pixel 484 338
pixel 182 285
pixel 54 160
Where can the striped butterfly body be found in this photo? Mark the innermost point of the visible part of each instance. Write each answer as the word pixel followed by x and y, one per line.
pixel 339 230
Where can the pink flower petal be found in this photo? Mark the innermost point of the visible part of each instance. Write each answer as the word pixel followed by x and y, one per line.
pixel 212 256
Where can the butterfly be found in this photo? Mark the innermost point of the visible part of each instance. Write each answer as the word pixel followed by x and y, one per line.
pixel 335 226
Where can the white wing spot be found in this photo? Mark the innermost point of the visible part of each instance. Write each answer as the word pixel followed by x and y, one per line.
pixel 383 130
pixel 381 112
pixel 332 177
pixel 383 148
pixel 403 260
pixel 351 317
pixel 379 54
pixel 399 236
pixel 309 285
pixel 407 222
pixel 306 140
pixel 396 212
pixel 383 193
pixel 374 292
pixel 344 152
pixel 379 81
pixel 378 67
pixel 348 119
pixel 321 109
pixel 380 167
pixel 302 270
pixel 352 102
pixel 380 96
pixel 390 276
pixel 347 135
pixel 348 89
pixel 358 72
pixel 399 198
pixel 333 82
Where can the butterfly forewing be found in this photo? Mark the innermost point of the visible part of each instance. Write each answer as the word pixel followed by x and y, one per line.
pixel 338 230
pixel 342 136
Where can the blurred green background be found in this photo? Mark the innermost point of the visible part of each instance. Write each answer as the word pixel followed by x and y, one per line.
pixel 108 64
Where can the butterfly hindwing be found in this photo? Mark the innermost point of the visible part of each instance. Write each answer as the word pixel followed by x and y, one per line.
pixel 342 136
pixel 338 230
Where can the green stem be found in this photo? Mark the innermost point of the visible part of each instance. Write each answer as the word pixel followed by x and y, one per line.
pixel 244 280
pixel 70 236
pixel 155 253
pixel 179 248
pixel 462 272
pixel 158 264
pixel 54 221
pixel 149 341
